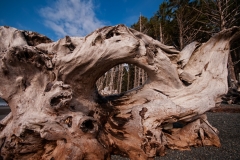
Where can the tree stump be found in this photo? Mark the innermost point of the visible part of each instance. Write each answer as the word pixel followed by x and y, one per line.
pixel 57 112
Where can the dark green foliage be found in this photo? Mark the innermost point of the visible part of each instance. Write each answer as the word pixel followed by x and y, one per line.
pixel 178 23
pixel 184 21
pixel 190 20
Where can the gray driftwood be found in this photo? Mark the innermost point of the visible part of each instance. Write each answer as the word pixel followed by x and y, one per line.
pixel 57 113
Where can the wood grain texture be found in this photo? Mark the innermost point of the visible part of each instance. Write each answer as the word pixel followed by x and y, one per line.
pixel 57 112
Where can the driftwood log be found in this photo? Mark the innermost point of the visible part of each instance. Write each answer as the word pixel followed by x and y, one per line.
pixel 57 112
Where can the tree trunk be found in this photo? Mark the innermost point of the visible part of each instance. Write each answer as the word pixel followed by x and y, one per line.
pixel 161 33
pixel 120 78
pixel 139 77
pixel 57 113
pixel 111 83
pixel 128 78
pixel 135 77
pixel 180 28
pixel 117 68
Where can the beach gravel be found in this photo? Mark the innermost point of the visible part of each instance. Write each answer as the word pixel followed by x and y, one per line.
pixel 228 125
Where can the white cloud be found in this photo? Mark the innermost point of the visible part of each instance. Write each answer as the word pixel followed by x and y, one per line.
pixel 71 17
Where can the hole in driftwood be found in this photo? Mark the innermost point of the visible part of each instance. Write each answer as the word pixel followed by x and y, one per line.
pixel 121 78
pixel 109 34
pixel 4 110
pixel 178 125
pixel 55 100
pixel 48 87
pixel 87 125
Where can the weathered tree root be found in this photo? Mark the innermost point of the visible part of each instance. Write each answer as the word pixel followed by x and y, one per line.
pixel 57 113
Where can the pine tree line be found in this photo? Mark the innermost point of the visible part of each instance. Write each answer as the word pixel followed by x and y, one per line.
pixel 178 23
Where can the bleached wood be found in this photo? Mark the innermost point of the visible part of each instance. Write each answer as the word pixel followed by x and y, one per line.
pixel 57 112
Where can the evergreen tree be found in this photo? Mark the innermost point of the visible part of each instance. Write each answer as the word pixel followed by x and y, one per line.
pixel 178 23
pixel 144 25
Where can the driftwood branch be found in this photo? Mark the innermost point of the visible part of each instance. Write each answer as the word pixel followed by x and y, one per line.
pixel 57 112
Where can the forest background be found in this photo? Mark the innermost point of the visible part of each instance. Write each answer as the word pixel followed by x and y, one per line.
pixel 178 23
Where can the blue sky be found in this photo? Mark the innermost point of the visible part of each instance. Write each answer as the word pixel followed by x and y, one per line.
pixel 58 18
